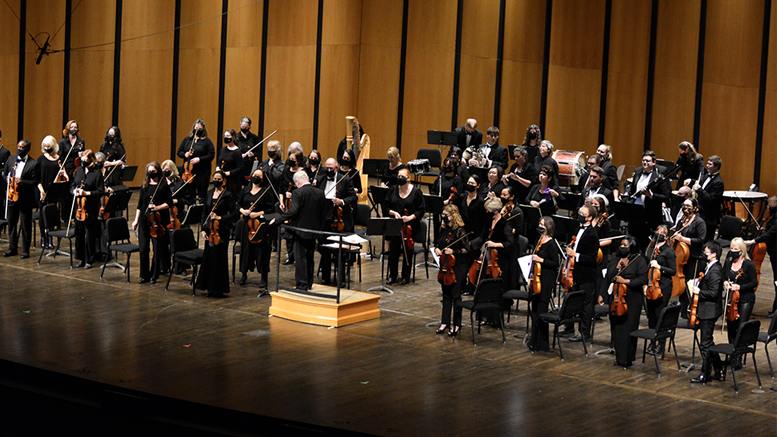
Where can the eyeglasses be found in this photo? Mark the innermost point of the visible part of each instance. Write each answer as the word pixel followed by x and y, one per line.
pixel 647 160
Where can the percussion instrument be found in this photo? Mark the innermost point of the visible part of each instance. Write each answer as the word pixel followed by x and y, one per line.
pixel 570 166
pixel 419 166
pixel 736 203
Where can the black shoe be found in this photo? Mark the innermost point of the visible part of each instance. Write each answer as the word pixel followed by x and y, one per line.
pixel 701 379
pixel 10 252
pixel 718 375
pixel 391 281
pixel 455 331
pixel 402 281
pixel 769 314
pixel 215 295
pixel 441 329
pixel 325 282
pixel 243 279
pixel 288 262
pixel 578 338
pixel 263 284
pixel 736 364
pixel 80 265
pixel 143 281
pixel 25 255
pixel 153 280
pixel 650 350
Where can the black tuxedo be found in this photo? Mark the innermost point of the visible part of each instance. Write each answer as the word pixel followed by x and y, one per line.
pixel 343 190
pixel 499 155
pixel 30 177
pixel 708 311
pixel 653 215
pixel 461 137
pixel 585 274
pixel 606 192
pixel 307 206
pixel 710 199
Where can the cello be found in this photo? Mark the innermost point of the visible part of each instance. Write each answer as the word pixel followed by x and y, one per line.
pixel 682 254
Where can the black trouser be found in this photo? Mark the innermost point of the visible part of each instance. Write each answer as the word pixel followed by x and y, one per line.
pixel 88 239
pixel 540 334
pixel 329 256
pixel 745 311
pixel 706 328
pixel 19 211
pixel 452 294
pixel 304 249
pixel 161 252
pixel 396 247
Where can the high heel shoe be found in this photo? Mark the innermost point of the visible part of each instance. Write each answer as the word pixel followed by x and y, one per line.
pixel 441 329
pixel 454 332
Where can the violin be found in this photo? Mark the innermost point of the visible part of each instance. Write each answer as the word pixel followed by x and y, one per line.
pixel 287 200
pixel 175 223
pixel 212 224
pixel 13 189
pixel 568 272
pixel 732 311
pixel 535 284
pixel 486 264
pixel 157 229
pixel 61 176
pixel 81 213
pixel 104 201
pixel 187 166
pixel 454 191
pixel 618 307
pixel 446 275
pixel 407 237
pixel 337 217
pixel 692 320
pixel 653 290
pixel 254 224
pixel 600 221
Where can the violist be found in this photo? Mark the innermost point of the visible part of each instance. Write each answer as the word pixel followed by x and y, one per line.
pixel 406 202
pixel 453 242
pixel 152 216
pixel 88 187
pixel 741 279
pixel 217 217
pixel 255 201
pixel 546 255
pixel 338 217
pixel 663 263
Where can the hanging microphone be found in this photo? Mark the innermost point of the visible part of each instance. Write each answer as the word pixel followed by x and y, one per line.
pixel 43 50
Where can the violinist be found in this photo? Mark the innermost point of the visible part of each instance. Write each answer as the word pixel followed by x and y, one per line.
pixel 768 236
pixel 708 311
pixel 741 279
pixel 522 174
pixel 22 177
pixel 197 151
pixel 104 215
pixel 293 165
pixel 50 164
pixel 152 216
pixel 583 253
pixel 347 166
pixel 313 168
pixel 691 164
pixel 603 230
pixel 514 214
pixel 448 186
pixel 88 188
pixel 404 201
pixel 542 195
pixel 474 215
pixel 255 201
pixel 690 230
pixel 545 158
pixel 177 208
pixel 273 166
pixel 498 235
pixel 230 161
pixel 662 263
pixel 247 140
pixel 115 155
pixel 217 217
pixel 494 185
pixel 71 146
pixel 453 248
pixel 546 259
pixel 391 171
pixel 338 215
pixel 628 267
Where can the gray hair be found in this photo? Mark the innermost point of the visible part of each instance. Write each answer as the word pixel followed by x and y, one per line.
pixel 296 145
pixel 301 177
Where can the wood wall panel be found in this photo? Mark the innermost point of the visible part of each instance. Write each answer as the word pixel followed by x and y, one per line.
pixel 769 151
pixel 674 92
pixel 729 110
pixel 431 48
pixel 198 77
pixel 627 79
pixel 477 80
pixel 379 59
pixel 244 62
pixel 521 69
pixel 9 75
pixel 291 68
pixel 339 72
pixel 574 76
pixel 145 88
pixel 91 69
pixel 43 83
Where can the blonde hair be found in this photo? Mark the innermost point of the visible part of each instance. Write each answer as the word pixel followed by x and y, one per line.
pixel 49 141
pixel 494 204
pixel 739 243
pixel 393 152
pixel 274 145
pixel 173 168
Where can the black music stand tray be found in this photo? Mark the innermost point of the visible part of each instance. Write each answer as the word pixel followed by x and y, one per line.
pixel 481 172
pixel 119 201
pixel 385 227
pixel 434 205
pixel 377 195
pixel 441 138
pixel 566 226
pixel 629 212
pixel 128 173
pixel 531 218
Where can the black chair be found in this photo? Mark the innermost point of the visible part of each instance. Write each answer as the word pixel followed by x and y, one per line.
pixel 488 297
pixel 666 326
pixel 435 161
pixel 522 292
pixel 421 248
pixel 766 338
pixel 119 241
pixel 53 225
pixel 570 312
pixel 603 312
pixel 744 343
pixel 730 228
pixel 185 251
pixel 685 324
pixel 193 217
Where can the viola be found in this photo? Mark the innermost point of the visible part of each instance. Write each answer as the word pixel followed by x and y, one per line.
pixel 446 275
pixel 212 224
pixel 487 264
pixel 156 228
pixel 337 217
pixel 692 320
pixel 61 176
pixel 535 283
pixel 81 213
pixel 407 236
pixel 187 166
pixel 13 189
pixel 732 311
pixel 618 306
pixel 175 223
pixel 654 288
pixel 568 272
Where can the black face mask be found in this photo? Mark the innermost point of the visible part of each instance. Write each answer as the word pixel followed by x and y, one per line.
pixel 291 163
pixel 448 170
pixel 345 162
pixel 245 131
pixel 540 230
pixel 687 210
pixel 504 200
pixel 660 237
pixel 21 153
pixel 330 173
pixel 153 175
pixel 227 140
pixel 314 161
pixel 256 180
pixel 99 165
pixel 581 219
pixel 198 132
pixel 73 131
pixel 532 135
pixel 218 183
pixel 471 188
pixel 623 252
pixel 271 154
pixel 167 173
pixel 48 149
pixel 109 138
pixel 401 181
pixel 735 254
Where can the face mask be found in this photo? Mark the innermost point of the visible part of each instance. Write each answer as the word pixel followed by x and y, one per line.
pixel 581 219
pixel 152 175
pixel 48 149
pixel 540 230
pixel 218 183
pixel 623 252
pixel 256 180
pixel 245 131
pixel 99 165
pixel 532 135
pixel 735 254
pixel 471 188
pixel 345 161
pixel 291 163
pixel 271 154
pixel 109 138
pixel 330 173
pixel 448 169
pixel 772 210
pixel 167 173
pixel 401 181
pixel 504 200
pixel 73 131
pixel 21 153
pixel 198 132
pixel 686 210
pixel 227 140
pixel 660 237
pixel 314 161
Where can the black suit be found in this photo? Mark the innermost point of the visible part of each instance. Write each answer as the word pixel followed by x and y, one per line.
pixel 307 204
pixel 708 311
pixel 653 217
pixel 585 274
pixel 343 189
pixel 610 174
pixel 606 192
pixel 499 155
pixel 30 177
pixel 710 199
pixel 461 136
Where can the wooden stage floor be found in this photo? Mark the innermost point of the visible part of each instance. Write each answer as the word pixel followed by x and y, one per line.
pixel 389 376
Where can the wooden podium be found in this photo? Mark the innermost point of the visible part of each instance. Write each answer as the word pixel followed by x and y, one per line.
pixel 354 306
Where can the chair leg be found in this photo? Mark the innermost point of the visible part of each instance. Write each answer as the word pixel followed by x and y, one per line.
pixel 194 275
pixel 502 326
pixel 644 348
pixel 172 269
pixel 102 272
pixel 674 348
pixel 472 322
pixel 768 359
pixel 585 348
pixel 128 266
pixel 756 370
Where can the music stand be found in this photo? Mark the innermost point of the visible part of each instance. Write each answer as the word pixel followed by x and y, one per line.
pixel 480 171
pixel 128 173
pixel 385 227
pixel 373 167
pixel 441 138
pixel 434 205
pixel 531 217
pixel 119 201
pixel 566 226
pixel 377 196
pixel 630 213
pixel 571 200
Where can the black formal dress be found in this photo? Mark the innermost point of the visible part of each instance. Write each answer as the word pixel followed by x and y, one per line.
pixel 231 160
pixel 28 170
pixel 306 212
pixel 161 194
pixel 586 272
pixel 769 237
pixel 88 231
pixel 256 255
pixel 540 337
pixel 214 274
pixel 540 162
pixel 390 175
pixel 747 281
pixel 696 231
pixel 487 188
pixel 273 170
pixel 113 152
pixel 689 170
pixel 668 268
pixel 622 326
pixel 247 141
pixel 65 146
pixel 452 293
pixel 48 173
pixel 413 204
pixel 203 149
pixel 548 203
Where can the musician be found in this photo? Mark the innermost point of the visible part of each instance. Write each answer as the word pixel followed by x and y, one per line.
pixel 470 206
pixel 50 165
pixel 708 311
pixel 180 201
pixel 89 184
pixel 488 154
pixel 739 275
pixel 23 172
pixel 678 198
pixel 104 215
pixel 533 137
pixel 154 197
pixel 494 185
pixel 392 169
pixel 651 197
pixel 71 146
pixel 307 203
pixel 247 140
pixel 461 168
pixel 403 201
pixel 115 154
pixel 343 146
pixel 292 166
pixel 468 135
pixel 347 166
pixel 545 158
pixel 662 259
pixel 453 241
pixel 255 201
pixel 314 166
pixel 497 234
pixel 593 161
pixel 542 195
pixel 197 149
pixel 546 255
pixel 338 211
pixel 514 214
pixel 448 186
pixel 584 250
pixel 628 267
pixel 4 155
pixel 522 174
pixel 692 231
pixel 273 166
pixel 769 237
pixel 296 146
pixel 595 186
pixel 709 191
pixel 610 171
pixel 691 164
pixel 219 209
pixel 230 161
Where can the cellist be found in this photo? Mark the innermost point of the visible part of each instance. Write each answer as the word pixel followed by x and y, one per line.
pixel 338 215
pixel 546 260
pixel 453 242
pixel 154 198
pixel 88 184
pixel 403 201
pixel 664 265
pixel 584 252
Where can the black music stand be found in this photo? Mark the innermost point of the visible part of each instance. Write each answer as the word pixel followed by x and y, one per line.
pixel 571 200
pixel 373 167
pixel 385 227
pixel 118 201
pixel 630 213
pixel 377 196
pixel 441 138
pixel 128 173
pixel 566 226
pixel 434 205
pixel 482 173
pixel 531 218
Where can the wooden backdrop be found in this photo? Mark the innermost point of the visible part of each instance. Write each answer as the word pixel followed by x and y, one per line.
pixel 634 74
